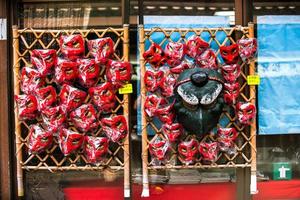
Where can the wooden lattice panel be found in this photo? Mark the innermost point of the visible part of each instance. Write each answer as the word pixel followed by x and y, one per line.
pixel 245 143
pixel 26 40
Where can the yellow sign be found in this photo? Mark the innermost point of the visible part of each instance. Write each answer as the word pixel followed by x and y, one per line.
pixel 253 80
pixel 126 89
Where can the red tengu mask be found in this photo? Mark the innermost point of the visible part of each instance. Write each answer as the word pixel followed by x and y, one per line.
pixel 196 46
pixel 71 98
pixel 245 113
pixel 207 59
pixel 152 103
pixel 181 67
pixel 95 148
pixel 158 148
pixel 103 97
pixel 231 92
pixel 175 51
pixel 46 97
pixel 31 80
pixel 27 106
pixel 101 49
pixel 230 54
pixel 72 46
pixel 226 137
pixel 231 72
pixel 167 85
pixel 172 131
pixel 247 48
pixel 69 141
pixel 118 73
pixel 54 118
pixel 209 151
pixel 66 71
pixel 39 139
pixel 84 118
pixel 155 55
pixel 44 60
pixel 88 72
pixel 166 113
pixel 188 151
pixel 115 127
pixel 153 79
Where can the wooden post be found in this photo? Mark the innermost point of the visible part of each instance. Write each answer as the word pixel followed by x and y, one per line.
pixel 126 113
pixel 16 69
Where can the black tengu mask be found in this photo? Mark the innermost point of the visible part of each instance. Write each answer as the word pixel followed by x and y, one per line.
pixel 199 101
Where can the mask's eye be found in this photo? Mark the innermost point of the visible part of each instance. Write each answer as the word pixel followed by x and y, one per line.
pixel 250 111
pixel 183 150
pixel 194 148
pixel 44 139
pixel 224 53
pixel 76 141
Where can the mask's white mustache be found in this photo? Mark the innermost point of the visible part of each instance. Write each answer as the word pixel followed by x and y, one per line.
pixel 187 97
pixel 210 98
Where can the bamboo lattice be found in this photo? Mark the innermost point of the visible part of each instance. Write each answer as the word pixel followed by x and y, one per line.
pixel 26 40
pixel 245 144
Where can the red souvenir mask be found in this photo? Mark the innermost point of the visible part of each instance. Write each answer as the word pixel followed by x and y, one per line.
pixel 44 60
pixel 102 49
pixel 71 98
pixel 27 106
pixel 155 55
pixel 118 73
pixel 54 118
pixel 72 46
pixel 196 46
pixel 231 92
pixel 95 148
pixel 245 112
pixel 172 131
pixel 115 127
pixel 66 71
pixel 46 97
pixel 209 151
pixel 166 113
pixel 175 52
pixel 247 48
pixel 69 141
pixel 84 118
pixel 39 139
pixel 152 103
pixel 231 72
pixel 167 85
pixel 88 72
pixel 31 80
pixel 230 54
pixel 103 97
pixel 158 148
pixel 207 59
pixel 226 137
pixel 188 151
pixel 181 67
pixel 153 80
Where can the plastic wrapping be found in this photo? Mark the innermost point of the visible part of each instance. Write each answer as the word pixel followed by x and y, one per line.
pixel 153 79
pixel 230 54
pixel 69 141
pixel 44 60
pixel 207 59
pixel 103 97
pixel 31 80
pixel 66 71
pixel 209 151
pixel 152 103
pixel 159 150
pixel 231 72
pixel 196 46
pixel 118 73
pixel 245 112
pixel 84 118
pixel 54 118
pixel 247 48
pixel 101 49
pixel 155 56
pixel 185 64
pixel 167 85
pixel 39 139
pixel 115 127
pixel 175 52
pixel 231 92
pixel 166 113
pixel 226 138
pixel 71 97
pixel 173 132
pixel 72 46
pixel 188 151
pixel 88 72
pixel 27 107
pixel 46 97
pixel 96 149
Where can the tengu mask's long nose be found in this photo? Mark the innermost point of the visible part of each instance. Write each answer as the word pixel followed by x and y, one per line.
pixel 199 78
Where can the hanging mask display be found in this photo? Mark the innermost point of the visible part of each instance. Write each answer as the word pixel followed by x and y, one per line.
pixel 72 46
pixel 71 97
pixel 66 71
pixel 185 64
pixel 165 113
pixel 230 54
pixel 31 80
pixel 27 106
pixel 155 56
pixel 102 49
pixel 118 73
pixel 207 59
pixel 96 149
pixel 44 60
pixel 54 118
pixel 158 149
pixel 167 85
pixel 153 79
pixel 231 72
pixel 245 113
pixel 115 127
pixel 46 97
pixel 188 151
pixel 152 103
pixel 175 52
pixel 196 46
pixel 209 151
pixel 226 138
pixel 88 72
pixel 231 92
pixel 69 141
pixel 247 48
pixel 173 132
pixel 39 139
